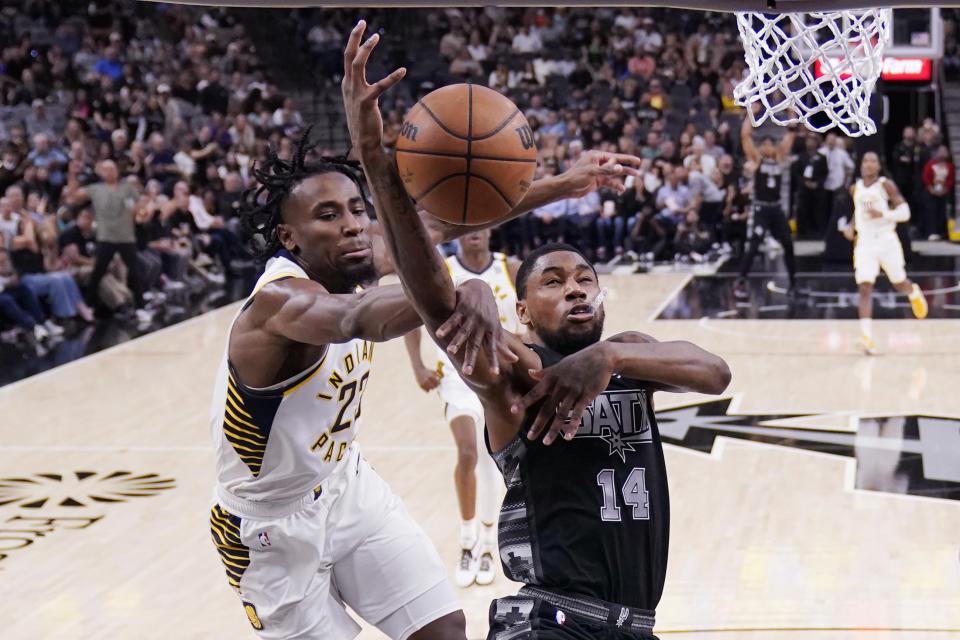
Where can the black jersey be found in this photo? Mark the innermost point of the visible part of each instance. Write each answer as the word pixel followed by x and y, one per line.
pixel 590 516
pixel 766 185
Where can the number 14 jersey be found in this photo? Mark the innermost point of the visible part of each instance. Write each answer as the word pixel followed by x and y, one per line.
pixel 590 516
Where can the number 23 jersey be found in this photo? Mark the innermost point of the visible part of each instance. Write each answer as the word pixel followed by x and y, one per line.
pixel 278 443
pixel 590 516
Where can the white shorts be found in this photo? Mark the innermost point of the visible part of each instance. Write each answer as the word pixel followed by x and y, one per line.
pixel 873 252
pixel 457 398
pixel 353 544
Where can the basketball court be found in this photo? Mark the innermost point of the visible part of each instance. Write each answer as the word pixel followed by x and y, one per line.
pixel 819 497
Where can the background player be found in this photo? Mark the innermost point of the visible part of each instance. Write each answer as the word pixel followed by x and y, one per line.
pixel 877 208
pixel 476 477
pixel 766 215
pixel 593 567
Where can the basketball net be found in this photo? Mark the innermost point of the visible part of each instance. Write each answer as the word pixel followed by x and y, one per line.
pixel 817 69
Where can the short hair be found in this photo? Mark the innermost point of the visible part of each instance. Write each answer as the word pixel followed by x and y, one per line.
pixel 527 265
pixel 262 209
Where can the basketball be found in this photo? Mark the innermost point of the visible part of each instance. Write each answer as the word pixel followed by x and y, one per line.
pixel 466 154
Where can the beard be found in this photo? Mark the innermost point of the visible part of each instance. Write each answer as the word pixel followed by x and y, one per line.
pixel 353 276
pixel 566 342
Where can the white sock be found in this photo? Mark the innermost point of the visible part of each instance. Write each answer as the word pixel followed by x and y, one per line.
pixel 468 533
pixel 865 326
pixel 915 292
pixel 488 536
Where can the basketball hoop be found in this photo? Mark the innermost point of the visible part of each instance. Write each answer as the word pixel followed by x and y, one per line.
pixel 782 52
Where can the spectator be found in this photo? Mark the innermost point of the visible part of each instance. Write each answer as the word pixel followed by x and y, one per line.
pixel 20 305
pixel 905 159
pixel 839 169
pixel 938 179
pixel 112 203
pixel 809 178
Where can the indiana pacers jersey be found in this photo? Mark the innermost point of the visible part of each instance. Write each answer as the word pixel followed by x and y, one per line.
pixel 590 516
pixel 277 443
pixel 875 196
pixel 497 275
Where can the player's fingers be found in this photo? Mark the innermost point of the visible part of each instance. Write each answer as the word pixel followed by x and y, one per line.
pixel 474 344
pixel 350 51
pixel 546 413
pixel 359 63
pixel 611 183
pixel 464 332
pixel 576 417
pixel 506 353
pixel 538 391
pixel 384 84
pixel 454 321
pixel 627 159
pixel 556 423
pixel 493 352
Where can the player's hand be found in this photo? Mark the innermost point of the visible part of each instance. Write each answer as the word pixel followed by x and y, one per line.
pixel 566 388
pixel 597 169
pixel 475 322
pixel 849 233
pixel 360 99
pixel 426 379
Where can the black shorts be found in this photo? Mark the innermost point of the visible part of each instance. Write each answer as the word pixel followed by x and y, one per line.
pixel 535 614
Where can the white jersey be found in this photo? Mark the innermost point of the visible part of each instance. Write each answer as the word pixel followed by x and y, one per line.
pixel 497 275
pixel 872 197
pixel 279 442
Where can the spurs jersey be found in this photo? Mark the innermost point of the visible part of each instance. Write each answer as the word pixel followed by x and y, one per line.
pixel 497 275
pixel 769 177
pixel 278 443
pixel 874 196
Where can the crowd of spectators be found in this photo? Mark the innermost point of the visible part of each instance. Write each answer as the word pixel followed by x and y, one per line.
pixel 129 131
pixel 127 135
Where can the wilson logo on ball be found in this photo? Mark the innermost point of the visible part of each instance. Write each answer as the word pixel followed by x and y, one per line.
pixel 409 131
pixel 526 136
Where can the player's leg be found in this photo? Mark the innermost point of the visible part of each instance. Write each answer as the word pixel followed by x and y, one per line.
pixel 282 575
pixel 866 267
pixel 894 265
pixel 386 568
pixel 465 482
pixel 780 230
pixel 489 489
pixel 755 233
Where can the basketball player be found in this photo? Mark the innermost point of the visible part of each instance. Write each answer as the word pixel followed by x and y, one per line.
pixel 476 477
pixel 766 214
pixel 877 208
pixel 303 525
pixel 585 523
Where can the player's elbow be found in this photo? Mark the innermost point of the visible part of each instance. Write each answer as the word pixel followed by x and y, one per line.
pixel 714 375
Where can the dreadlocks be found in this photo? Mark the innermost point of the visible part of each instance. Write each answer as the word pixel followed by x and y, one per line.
pixel 263 202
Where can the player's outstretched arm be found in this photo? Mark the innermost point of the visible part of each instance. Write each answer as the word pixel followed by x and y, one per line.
pixel 746 140
pixel 571 385
pixel 301 310
pixel 422 271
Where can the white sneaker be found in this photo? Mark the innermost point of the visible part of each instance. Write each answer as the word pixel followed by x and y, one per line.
pixel 40 333
pixel 467 568
pixel 486 570
pixel 54 329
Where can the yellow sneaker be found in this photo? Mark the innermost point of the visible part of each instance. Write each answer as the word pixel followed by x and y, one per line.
pixel 867 345
pixel 918 303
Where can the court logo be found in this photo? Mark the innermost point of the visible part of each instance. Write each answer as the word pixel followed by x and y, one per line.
pixel 74 500
pixel 911 454
pixel 79 488
pixel 252 616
